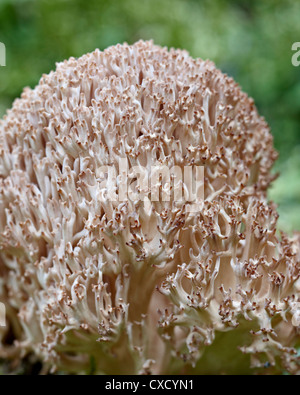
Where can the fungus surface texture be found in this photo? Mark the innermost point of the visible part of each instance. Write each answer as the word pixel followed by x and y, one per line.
pixel 95 282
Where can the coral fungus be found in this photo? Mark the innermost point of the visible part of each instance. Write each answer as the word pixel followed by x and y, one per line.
pixel 142 286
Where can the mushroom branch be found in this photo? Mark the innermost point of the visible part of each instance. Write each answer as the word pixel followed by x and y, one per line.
pixel 235 274
pixel 100 274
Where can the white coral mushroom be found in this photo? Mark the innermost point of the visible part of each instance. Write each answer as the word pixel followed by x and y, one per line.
pixel 84 275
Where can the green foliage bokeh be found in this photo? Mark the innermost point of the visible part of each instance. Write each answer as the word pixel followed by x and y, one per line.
pixel 249 40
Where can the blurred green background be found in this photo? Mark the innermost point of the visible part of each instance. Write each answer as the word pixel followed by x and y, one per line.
pixel 249 40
